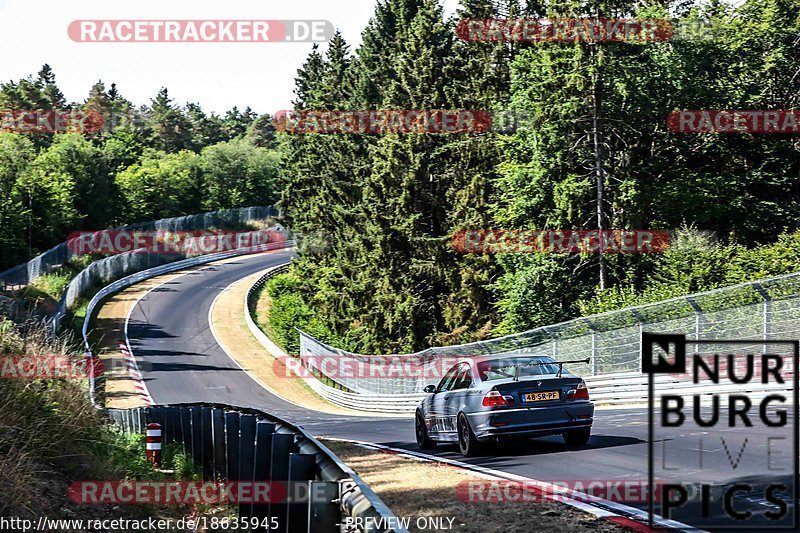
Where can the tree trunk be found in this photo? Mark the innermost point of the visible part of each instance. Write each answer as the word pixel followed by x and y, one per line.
pixel 597 135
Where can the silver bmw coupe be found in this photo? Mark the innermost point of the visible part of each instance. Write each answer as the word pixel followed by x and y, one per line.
pixel 500 398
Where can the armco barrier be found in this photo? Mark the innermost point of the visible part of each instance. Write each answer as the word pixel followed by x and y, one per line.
pixel 237 444
pixel 150 273
pixel 372 403
pixel 61 253
pixel 116 266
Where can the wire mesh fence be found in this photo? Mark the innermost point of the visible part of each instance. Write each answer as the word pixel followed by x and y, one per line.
pixel 761 310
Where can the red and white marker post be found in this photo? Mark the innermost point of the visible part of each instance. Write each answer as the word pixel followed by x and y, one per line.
pixel 153 443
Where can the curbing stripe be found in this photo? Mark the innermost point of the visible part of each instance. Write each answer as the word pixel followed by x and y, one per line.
pixel 133 369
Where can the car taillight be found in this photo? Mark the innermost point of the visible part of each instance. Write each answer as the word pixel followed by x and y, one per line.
pixel 581 391
pixel 493 399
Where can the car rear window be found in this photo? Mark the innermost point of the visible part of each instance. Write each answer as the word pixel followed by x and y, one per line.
pixel 506 368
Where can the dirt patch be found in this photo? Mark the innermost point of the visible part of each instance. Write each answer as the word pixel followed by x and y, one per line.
pixel 415 489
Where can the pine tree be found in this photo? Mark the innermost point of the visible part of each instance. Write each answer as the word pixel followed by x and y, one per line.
pixel 50 91
pixel 171 129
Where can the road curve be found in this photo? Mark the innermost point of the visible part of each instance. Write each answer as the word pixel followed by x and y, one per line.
pixel 182 362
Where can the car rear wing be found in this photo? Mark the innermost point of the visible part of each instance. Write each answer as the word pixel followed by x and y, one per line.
pixel 559 363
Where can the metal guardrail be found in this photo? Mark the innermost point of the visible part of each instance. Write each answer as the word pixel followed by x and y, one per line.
pixel 242 444
pixel 352 495
pixel 58 255
pixel 117 266
pixel 150 273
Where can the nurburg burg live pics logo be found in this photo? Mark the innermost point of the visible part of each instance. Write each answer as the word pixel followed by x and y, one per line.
pixel 722 432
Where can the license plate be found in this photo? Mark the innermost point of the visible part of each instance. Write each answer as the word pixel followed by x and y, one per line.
pixel 543 396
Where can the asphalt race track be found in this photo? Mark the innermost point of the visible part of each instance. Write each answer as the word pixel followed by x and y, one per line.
pixel 181 362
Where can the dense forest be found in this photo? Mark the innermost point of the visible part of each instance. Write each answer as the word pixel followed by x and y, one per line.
pixel 143 163
pixel 597 153
pixel 390 203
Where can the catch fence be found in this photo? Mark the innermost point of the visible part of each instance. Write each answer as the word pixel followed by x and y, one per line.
pixel 762 310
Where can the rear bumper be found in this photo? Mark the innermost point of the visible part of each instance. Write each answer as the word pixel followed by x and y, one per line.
pixel 532 421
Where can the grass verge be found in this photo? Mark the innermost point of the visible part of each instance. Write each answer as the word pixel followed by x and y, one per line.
pixel 50 437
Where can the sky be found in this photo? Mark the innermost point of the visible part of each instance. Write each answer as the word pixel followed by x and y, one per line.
pixel 218 76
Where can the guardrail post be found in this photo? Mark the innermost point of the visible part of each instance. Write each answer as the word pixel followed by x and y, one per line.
pixel 171 423
pixel 767 321
pixel 218 442
pixel 247 448
pixel 640 319
pixel 595 355
pixel 197 435
pixel 301 471
pixel 767 313
pixel 152 414
pixel 208 443
pixel 232 445
pixel 261 466
pixel 282 446
pixel 324 512
pixel 698 322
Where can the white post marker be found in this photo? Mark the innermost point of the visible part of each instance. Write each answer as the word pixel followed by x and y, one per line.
pixel 153 443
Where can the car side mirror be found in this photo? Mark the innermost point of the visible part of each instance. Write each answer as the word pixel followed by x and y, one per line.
pixel 430 389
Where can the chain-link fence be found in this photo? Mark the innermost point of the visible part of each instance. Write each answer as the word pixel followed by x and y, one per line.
pixel 763 310
pixel 62 253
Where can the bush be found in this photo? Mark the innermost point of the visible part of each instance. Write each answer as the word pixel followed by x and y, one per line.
pixel 694 263
pixel 289 310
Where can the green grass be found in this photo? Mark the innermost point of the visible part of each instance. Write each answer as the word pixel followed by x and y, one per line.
pixel 51 286
pixel 51 436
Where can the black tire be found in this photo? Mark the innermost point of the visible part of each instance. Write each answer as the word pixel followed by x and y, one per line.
pixel 577 437
pixel 468 445
pixel 424 442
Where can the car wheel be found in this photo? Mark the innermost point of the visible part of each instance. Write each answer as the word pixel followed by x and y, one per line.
pixel 577 437
pixel 423 440
pixel 467 443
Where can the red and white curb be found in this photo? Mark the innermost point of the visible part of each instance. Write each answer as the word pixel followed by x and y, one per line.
pixel 136 374
pixel 620 514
